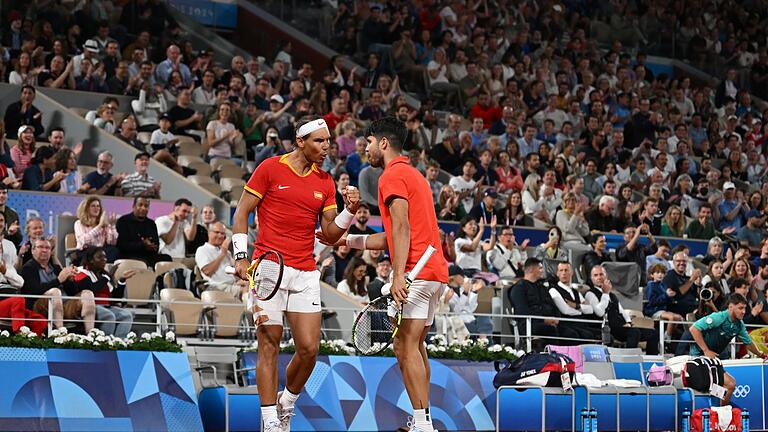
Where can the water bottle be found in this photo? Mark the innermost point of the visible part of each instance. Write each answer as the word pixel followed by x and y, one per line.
pixel 592 420
pixel 744 420
pixel 606 332
pixel 584 420
pixel 705 420
pixel 686 426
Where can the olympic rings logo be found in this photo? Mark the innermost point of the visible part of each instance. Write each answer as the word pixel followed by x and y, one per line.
pixel 741 391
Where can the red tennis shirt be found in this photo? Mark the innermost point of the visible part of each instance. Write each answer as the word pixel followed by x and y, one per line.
pixel 401 180
pixel 291 205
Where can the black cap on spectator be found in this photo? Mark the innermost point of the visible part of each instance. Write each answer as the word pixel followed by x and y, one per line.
pixel 384 258
pixel 141 155
pixel 165 116
pixel 454 270
pixel 204 53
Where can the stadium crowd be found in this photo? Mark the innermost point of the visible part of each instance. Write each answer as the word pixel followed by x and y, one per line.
pixel 523 121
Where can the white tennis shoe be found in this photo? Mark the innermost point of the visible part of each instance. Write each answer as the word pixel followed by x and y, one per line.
pixel 271 426
pixel 413 427
pixel 284 415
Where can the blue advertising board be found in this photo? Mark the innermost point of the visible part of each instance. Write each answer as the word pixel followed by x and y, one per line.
pixel 354 393
pixel 83 390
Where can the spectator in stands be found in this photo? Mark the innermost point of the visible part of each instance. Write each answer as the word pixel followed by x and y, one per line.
pixel 213 257
pixel 464 185
pixel 751 234
pixel 634 251
pixel 105 119
pixel 44 277
pixel 571 303
pixel 507 257
pixel 333 272
pixel 606 305
pixel 433 171
pixel 137 235
pixel 149 106
pixel 66 163
pixel 174 229
pixel 140 183
pixel 572 223
pixel 355 280
pixel 486 209
pixel 661 256
pixel 361 221
pixel 92 278
pixel 92 78
pixel 741 269
pixel 90 52
pixel 172 63
pixel 368 183
pixel 514 213
pixel 464 304
pixel 11 218
pixel 715 252
pixel 121 82
pixel 529 296
pixel 469 249
pixel 60 75
pixel 56 138
pixel 601 217
pixel 551 249
pixel 95 228
pixel 685 288
pixel 222 135
pixel 34 228
pixel 24 73
pixel 383 269
pixel 716 276
pixel 8 257
pixel 103 182
pixel 674 222
pixel 703 227
pixel 24 150
pixel 733 209
pixel 162 138
pixel 648 214
pixel 659 299
pixel 184 119
pixel 598 255
pixel 23 112
pixel 205 94
pixel 39 176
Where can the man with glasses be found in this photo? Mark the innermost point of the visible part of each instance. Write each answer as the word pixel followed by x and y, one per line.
pixel 686 288
pixel 101 181
pixel 205 94
pixel 213 257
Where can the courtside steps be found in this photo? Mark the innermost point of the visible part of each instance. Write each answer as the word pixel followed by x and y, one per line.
pixel 56 112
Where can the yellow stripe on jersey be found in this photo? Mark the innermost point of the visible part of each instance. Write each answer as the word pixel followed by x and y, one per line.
pixel 253 192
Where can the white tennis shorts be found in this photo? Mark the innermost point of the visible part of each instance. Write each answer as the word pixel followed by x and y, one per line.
pixel 299 292
pixel 423 296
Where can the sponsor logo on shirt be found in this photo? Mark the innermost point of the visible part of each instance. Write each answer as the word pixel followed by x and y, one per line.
pixel 318 195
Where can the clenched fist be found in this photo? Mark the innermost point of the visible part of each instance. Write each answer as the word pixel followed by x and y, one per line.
pixel 351 197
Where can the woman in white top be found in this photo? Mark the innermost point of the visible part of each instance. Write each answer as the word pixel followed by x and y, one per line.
pixel 572 223
pixel 148 107
pixel 23 73
pixel 716 275
pixel 222 135
pixel 468 246
pixel 355 280
pixel 439 77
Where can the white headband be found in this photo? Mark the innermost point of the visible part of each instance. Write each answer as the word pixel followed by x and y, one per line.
pixel 312 126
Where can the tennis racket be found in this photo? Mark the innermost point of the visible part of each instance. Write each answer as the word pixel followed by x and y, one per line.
pixel 264 275
pixel 376 326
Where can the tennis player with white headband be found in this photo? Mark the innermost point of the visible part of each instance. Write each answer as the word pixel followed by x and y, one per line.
pixel 291 194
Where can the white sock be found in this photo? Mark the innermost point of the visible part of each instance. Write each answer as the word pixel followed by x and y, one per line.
pixel 287 398
pixel 268 413
pixel 422 418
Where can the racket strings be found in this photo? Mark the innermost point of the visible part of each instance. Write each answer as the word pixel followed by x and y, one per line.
pixel 374 327
pixel 265 278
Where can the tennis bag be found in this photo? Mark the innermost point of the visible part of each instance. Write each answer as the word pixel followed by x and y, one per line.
pixel 538 369
pixel 659 375
pixel 720 419
pixel 701 372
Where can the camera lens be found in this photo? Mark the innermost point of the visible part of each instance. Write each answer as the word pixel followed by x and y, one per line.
pixel 706 294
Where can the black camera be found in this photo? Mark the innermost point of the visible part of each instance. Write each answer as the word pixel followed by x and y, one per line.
pixel 706 294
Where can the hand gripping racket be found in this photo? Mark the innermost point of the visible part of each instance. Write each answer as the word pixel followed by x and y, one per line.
pixel 264 275
pixel 375 327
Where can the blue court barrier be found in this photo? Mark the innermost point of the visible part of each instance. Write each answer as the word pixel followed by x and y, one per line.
pixel 83 390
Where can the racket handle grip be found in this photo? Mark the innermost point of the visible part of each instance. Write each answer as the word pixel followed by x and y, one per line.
pixel 386 288
pixel 229 270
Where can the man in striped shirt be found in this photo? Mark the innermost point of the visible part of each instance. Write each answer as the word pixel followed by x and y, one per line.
pixel 140 183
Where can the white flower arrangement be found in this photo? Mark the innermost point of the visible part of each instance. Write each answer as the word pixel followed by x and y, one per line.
pixel 95 339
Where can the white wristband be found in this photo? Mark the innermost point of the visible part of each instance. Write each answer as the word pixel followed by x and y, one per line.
pixel 240 243
pixel 344 220
pixel 357 241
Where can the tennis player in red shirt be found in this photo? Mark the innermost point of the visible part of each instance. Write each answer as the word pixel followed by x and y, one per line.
pixel 410 225
pixel 292 194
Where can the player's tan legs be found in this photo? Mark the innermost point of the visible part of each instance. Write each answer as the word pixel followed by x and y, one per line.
pixel 411 358
pixel 266 370
pixel 423 349
pixel 305 328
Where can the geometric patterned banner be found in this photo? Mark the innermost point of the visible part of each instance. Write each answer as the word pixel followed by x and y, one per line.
pixel 367 393
pixel 83 390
